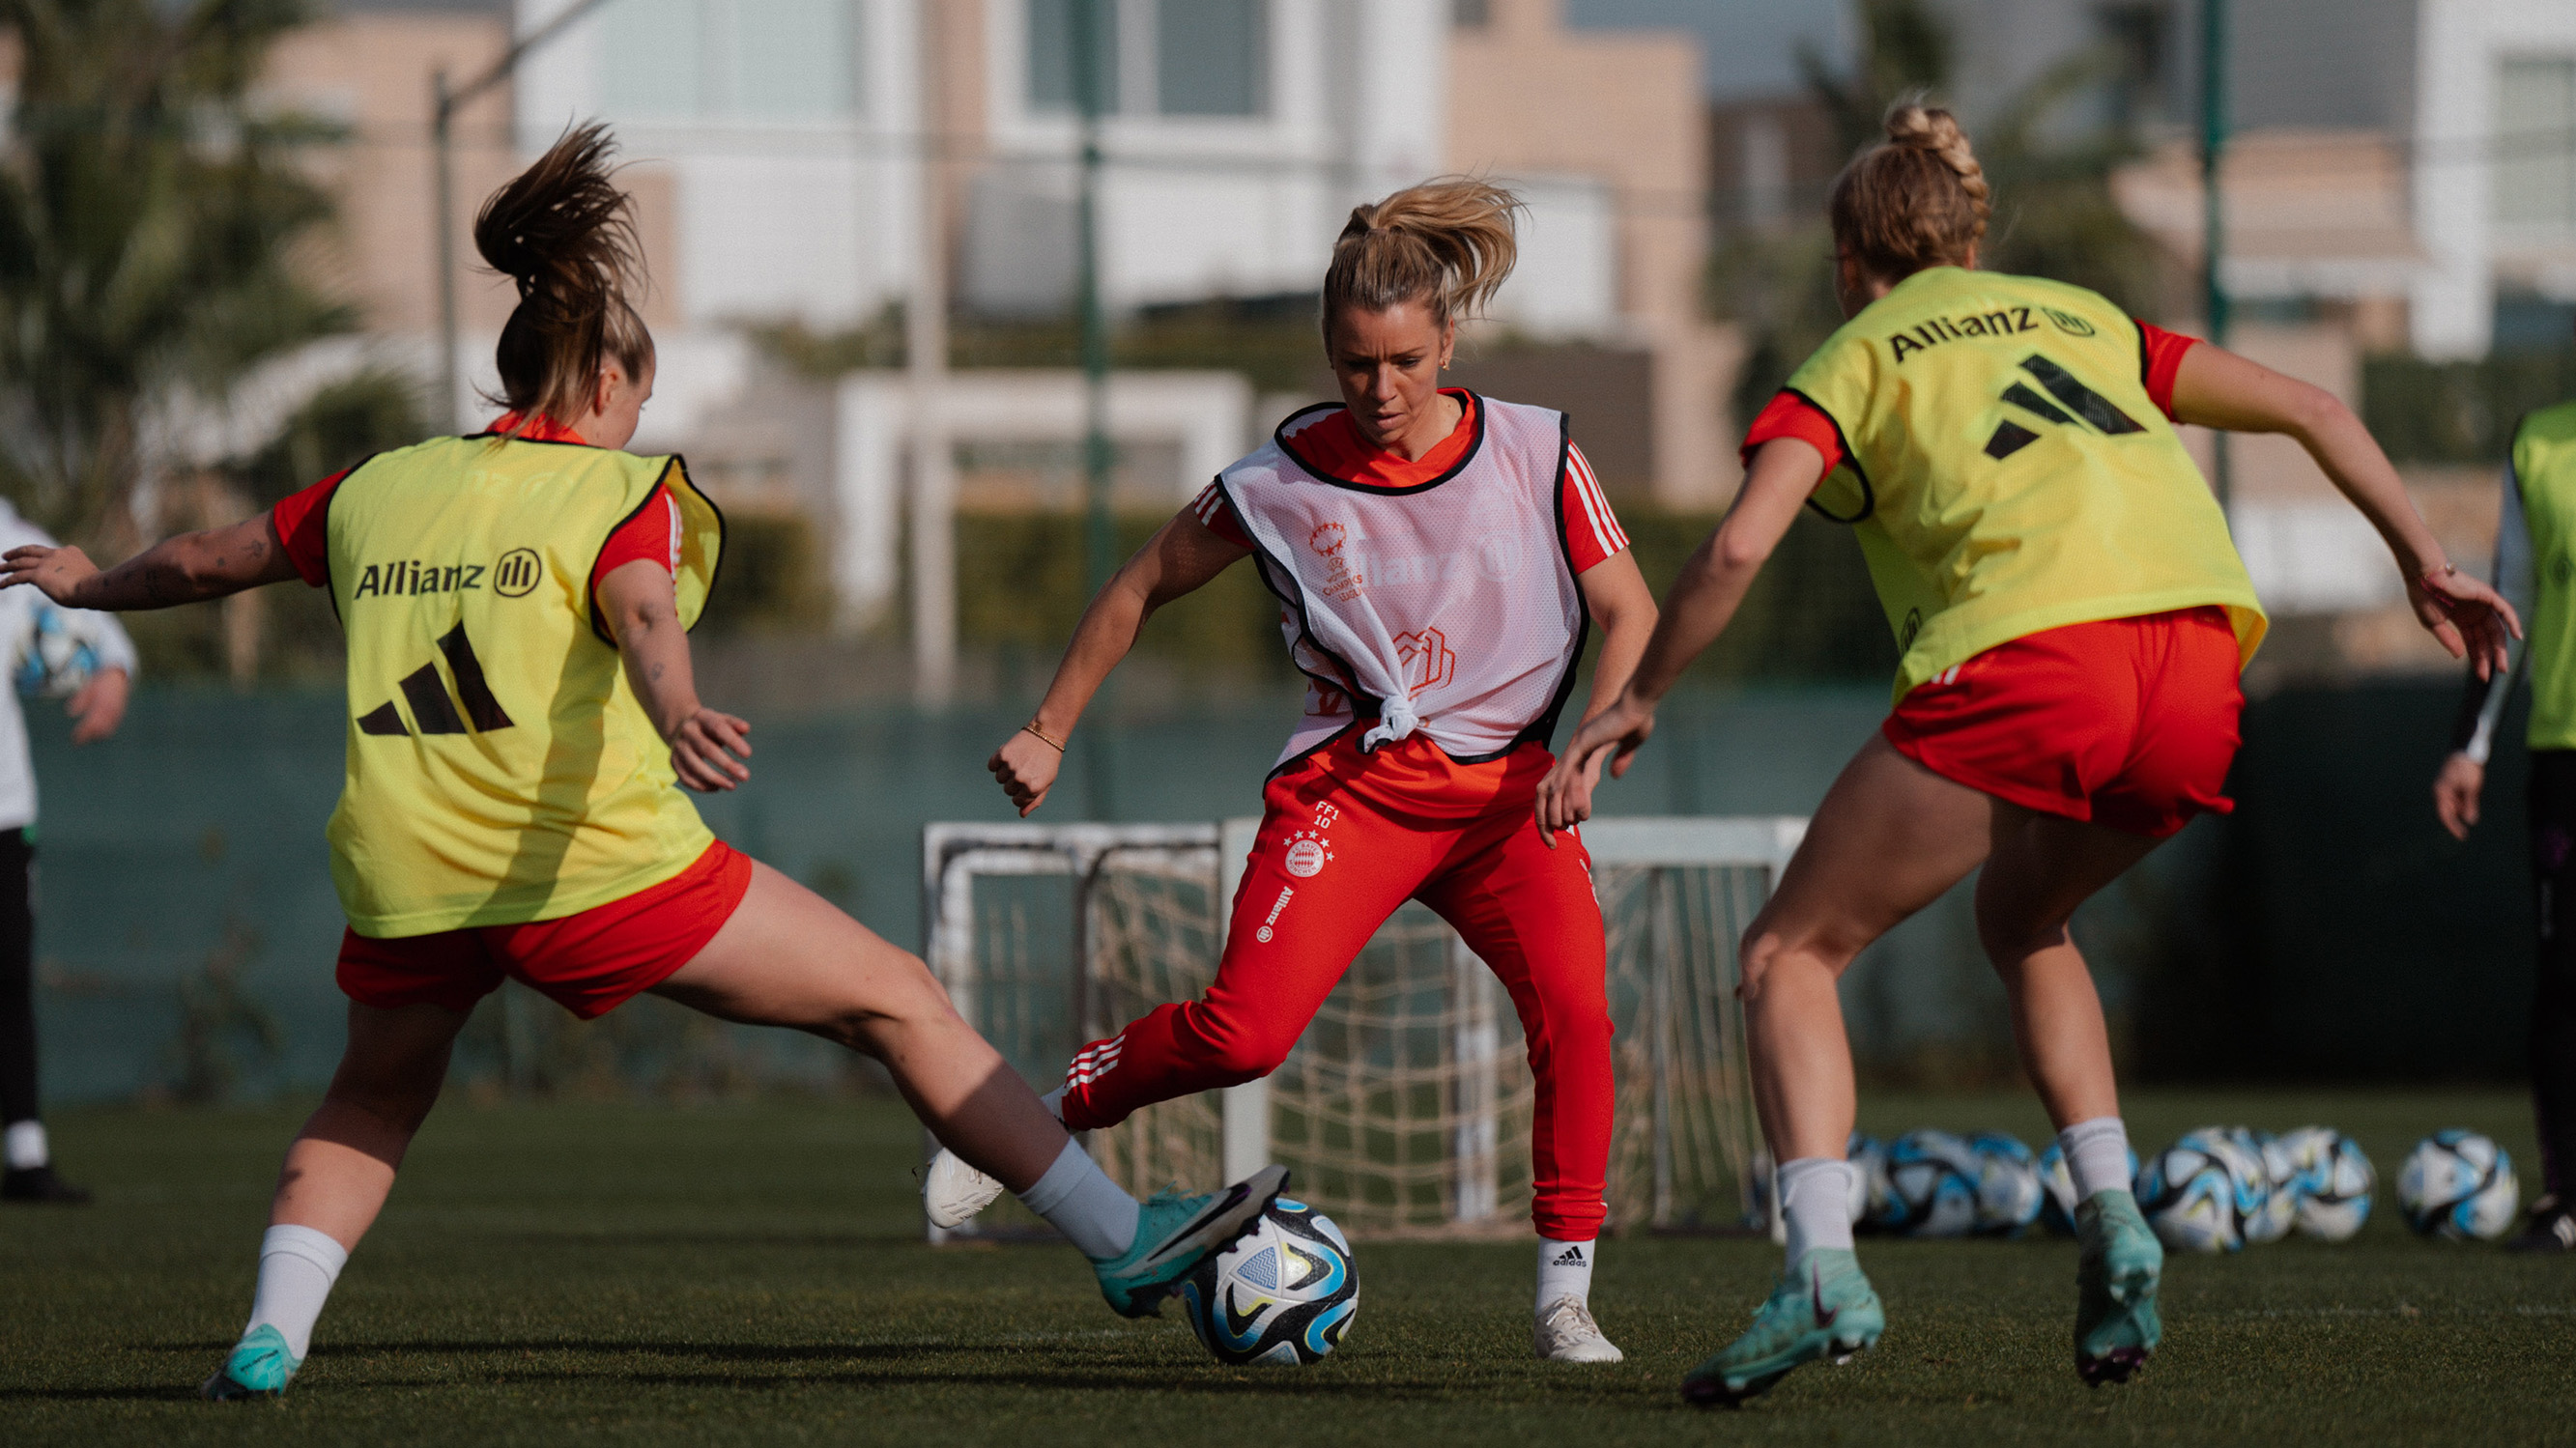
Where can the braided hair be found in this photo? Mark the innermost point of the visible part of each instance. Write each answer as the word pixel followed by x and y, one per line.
pixel 564 233
pixel 1916 199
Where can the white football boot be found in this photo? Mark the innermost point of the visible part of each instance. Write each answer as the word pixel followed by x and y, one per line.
pixel 953 1192
pixel 1566 1333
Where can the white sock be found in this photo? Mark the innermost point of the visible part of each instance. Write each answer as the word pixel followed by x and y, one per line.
pixel 1815 1202
pixel 2097 1155
pixel 1079 1200
pixel 1565 1270
pixel 297 1266
pixel 26 1146
pixel 1053 1101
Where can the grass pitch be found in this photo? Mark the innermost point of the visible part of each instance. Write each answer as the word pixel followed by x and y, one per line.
pixel 714 1275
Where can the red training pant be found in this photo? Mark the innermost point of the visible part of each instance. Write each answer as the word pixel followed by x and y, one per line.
pixel 1345 839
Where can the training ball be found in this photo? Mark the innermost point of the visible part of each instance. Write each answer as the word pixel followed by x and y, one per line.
pixel 1283 1294
pixel 2057 1209
pixel 2331 1179
pixel 2009 1193
pixel 2272 1220
pixel 2198 1192
pixel 1931 1185
pixel 50 662
pixel 2458 1185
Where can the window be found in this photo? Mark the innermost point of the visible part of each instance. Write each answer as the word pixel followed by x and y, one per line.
pixel 758 60
pixel 1196 57
pixel 2535 143
pixel 1211 57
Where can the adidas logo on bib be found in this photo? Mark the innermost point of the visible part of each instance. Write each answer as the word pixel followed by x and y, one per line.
pixel 431 705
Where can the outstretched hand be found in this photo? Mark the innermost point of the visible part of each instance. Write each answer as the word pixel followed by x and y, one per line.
pixel 1565 796
pixel 707 751
pixel 1027 767
pixel 2455 794
pixel 54 571
pixel 2467 617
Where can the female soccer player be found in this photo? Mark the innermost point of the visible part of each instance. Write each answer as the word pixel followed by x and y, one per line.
pixel 521 708
pixel 1436 554
pixel 2072 618
pixel 2532 528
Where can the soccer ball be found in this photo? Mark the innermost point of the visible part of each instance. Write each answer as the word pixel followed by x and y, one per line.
pixel 2008 1187
pixel 1283 1294
pixel 2331 1180
pixel 49 661
pixel 1931 1185
pixel 2198 1192
pixel 2057 1208
pixel 2458 1184
pixel 2272 1220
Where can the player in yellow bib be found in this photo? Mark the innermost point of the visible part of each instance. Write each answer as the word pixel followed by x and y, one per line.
pixel 2072 618
pixel 521 715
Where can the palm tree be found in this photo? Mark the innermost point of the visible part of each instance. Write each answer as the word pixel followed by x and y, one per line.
pixel 151 217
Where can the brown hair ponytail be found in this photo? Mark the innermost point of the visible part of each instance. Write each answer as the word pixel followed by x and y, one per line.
pixel 1446 243
pixel 1917 199
pixel 563 231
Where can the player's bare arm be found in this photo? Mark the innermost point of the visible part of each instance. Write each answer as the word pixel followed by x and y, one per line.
pixel 1701 603
pixel 643 611
pixel 2216 388
pixel 190 568
pixel 1181 558
pixel 1616 595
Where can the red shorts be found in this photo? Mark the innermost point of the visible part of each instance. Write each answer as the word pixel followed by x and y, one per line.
pixel 2129 722
pixel 589 963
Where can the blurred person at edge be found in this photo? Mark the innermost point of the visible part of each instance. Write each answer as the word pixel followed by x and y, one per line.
pixel 2535 556
pixel 97 706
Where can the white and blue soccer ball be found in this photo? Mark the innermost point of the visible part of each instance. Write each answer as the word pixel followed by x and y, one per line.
pixel 1282 1295
pixel 2057 1210
pixel 2198 1192
pixel 2458 1185
pixel 2271 1221
pixel 50 661
pixel 2009 1193
pixel 1932 1185
pixel 2331 1180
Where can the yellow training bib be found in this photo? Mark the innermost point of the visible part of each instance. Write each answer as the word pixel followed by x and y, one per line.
pixel 500 769
pixel 2544 465
pixel 2008 472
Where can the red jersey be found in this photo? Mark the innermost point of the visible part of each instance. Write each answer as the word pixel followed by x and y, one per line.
pixel 1333 446
pixel 1789 415
pixel 652 535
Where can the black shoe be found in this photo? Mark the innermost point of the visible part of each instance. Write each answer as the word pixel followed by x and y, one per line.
pixel 39 1184
pixel 2552 1228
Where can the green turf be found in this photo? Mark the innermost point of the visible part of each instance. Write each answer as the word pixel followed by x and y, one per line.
pixel 753 1275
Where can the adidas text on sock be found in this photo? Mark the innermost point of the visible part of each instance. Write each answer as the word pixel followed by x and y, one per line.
pixel 1565 1270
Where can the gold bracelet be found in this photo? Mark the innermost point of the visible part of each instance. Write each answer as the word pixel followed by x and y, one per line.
pixel 1031 727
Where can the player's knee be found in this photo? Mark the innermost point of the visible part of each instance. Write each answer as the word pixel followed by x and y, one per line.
pixel 1243 1053
pixel 883 1003
pixel 1769 953
pixel 2010 942
pixel 398 1095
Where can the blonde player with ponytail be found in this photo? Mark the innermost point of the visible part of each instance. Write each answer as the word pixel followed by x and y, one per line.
pixel 2072 618
pixel 521 713
pixel 1438 557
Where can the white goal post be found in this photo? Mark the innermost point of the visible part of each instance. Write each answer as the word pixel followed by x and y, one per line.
pixel 1405 1108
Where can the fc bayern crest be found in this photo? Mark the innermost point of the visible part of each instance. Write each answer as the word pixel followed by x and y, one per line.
pixel 1307 855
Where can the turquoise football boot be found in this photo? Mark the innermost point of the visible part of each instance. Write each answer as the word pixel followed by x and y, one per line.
pixel 1174 1234
pixel 260 1367
pixel 2116 1326
pixel 1823 1307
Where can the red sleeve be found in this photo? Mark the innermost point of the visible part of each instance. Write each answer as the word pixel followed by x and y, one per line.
pixel 2159 358
pixel 1789 415
pixel 1211 508
pixel 303 525
pixel 651 536
pixel 1592 531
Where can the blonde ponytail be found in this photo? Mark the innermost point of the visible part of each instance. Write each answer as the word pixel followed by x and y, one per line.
pixel 1447 244
pixel 1917 199
pixel 566 235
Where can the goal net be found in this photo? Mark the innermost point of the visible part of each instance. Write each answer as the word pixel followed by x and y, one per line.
pixel 1405 1108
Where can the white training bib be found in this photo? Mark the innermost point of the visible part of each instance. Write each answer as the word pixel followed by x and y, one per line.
pixel 1447 608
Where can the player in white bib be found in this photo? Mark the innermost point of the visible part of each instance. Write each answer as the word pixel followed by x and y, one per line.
pixel 1439 557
